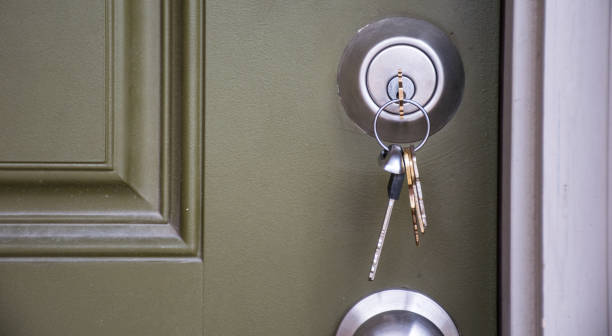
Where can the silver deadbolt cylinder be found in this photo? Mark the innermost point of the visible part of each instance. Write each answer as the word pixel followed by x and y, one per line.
pixel 432 71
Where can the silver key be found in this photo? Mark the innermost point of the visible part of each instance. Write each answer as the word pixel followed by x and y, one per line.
pixel 396 181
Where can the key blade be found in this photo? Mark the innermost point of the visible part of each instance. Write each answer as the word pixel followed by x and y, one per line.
pixel 381 239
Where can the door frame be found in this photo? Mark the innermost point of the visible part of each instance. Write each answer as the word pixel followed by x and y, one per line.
pixel 555 165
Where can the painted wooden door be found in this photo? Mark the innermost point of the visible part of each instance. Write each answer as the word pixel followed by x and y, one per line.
pixel 185 168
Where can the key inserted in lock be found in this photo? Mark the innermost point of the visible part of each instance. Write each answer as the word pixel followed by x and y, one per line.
pixel 432 72
pixel 393 88
pixel 417 67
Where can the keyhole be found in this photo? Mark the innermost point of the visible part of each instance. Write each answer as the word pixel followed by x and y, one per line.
pixel 393 87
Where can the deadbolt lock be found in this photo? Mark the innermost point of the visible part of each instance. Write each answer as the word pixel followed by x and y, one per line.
pixel 432 76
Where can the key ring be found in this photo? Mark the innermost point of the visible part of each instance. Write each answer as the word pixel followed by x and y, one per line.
pixel 395 101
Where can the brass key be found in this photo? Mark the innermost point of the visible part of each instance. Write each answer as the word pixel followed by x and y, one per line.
pixel 419 192
pixel 400 93
pixel 414 208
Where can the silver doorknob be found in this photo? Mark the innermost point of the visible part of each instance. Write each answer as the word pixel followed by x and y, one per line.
pixel 397 312
pixel 397 322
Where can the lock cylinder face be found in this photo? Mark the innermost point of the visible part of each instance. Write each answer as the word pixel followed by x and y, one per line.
pixel 415 65
pixel 432 72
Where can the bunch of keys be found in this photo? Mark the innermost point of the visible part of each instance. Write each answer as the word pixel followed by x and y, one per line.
pixel 400 162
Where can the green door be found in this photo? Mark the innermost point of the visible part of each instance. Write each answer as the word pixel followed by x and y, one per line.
pixel 186 168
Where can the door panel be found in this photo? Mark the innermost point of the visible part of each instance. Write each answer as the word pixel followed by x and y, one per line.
pixel 110 133
pixel 100 297
pixel 52 86
pixel 100 167
pixel 124 76
pixel 294 197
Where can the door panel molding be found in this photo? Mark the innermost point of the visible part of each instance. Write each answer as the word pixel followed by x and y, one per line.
pixel 145 199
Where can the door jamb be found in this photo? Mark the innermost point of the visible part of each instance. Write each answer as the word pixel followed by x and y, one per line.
pixel 555 169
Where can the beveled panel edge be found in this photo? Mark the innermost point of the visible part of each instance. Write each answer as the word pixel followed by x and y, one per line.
pixel 43 166
pixel 76 197
pixel 87 240
pixel 180 236
pixel 107 164
pixel 193 117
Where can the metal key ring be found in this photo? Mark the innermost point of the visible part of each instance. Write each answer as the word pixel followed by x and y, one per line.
pixel 395 101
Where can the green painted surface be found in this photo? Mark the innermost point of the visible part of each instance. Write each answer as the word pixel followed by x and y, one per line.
pixel 100 298
pixel 293 195
pixel 52 81
pixel 146 198
pixel 58 220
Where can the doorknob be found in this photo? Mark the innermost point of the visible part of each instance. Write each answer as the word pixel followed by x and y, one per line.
pixel 398 322
pixel 397 312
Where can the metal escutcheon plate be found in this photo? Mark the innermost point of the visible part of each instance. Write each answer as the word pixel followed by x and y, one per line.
pixel 426 56
pixel 397 312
